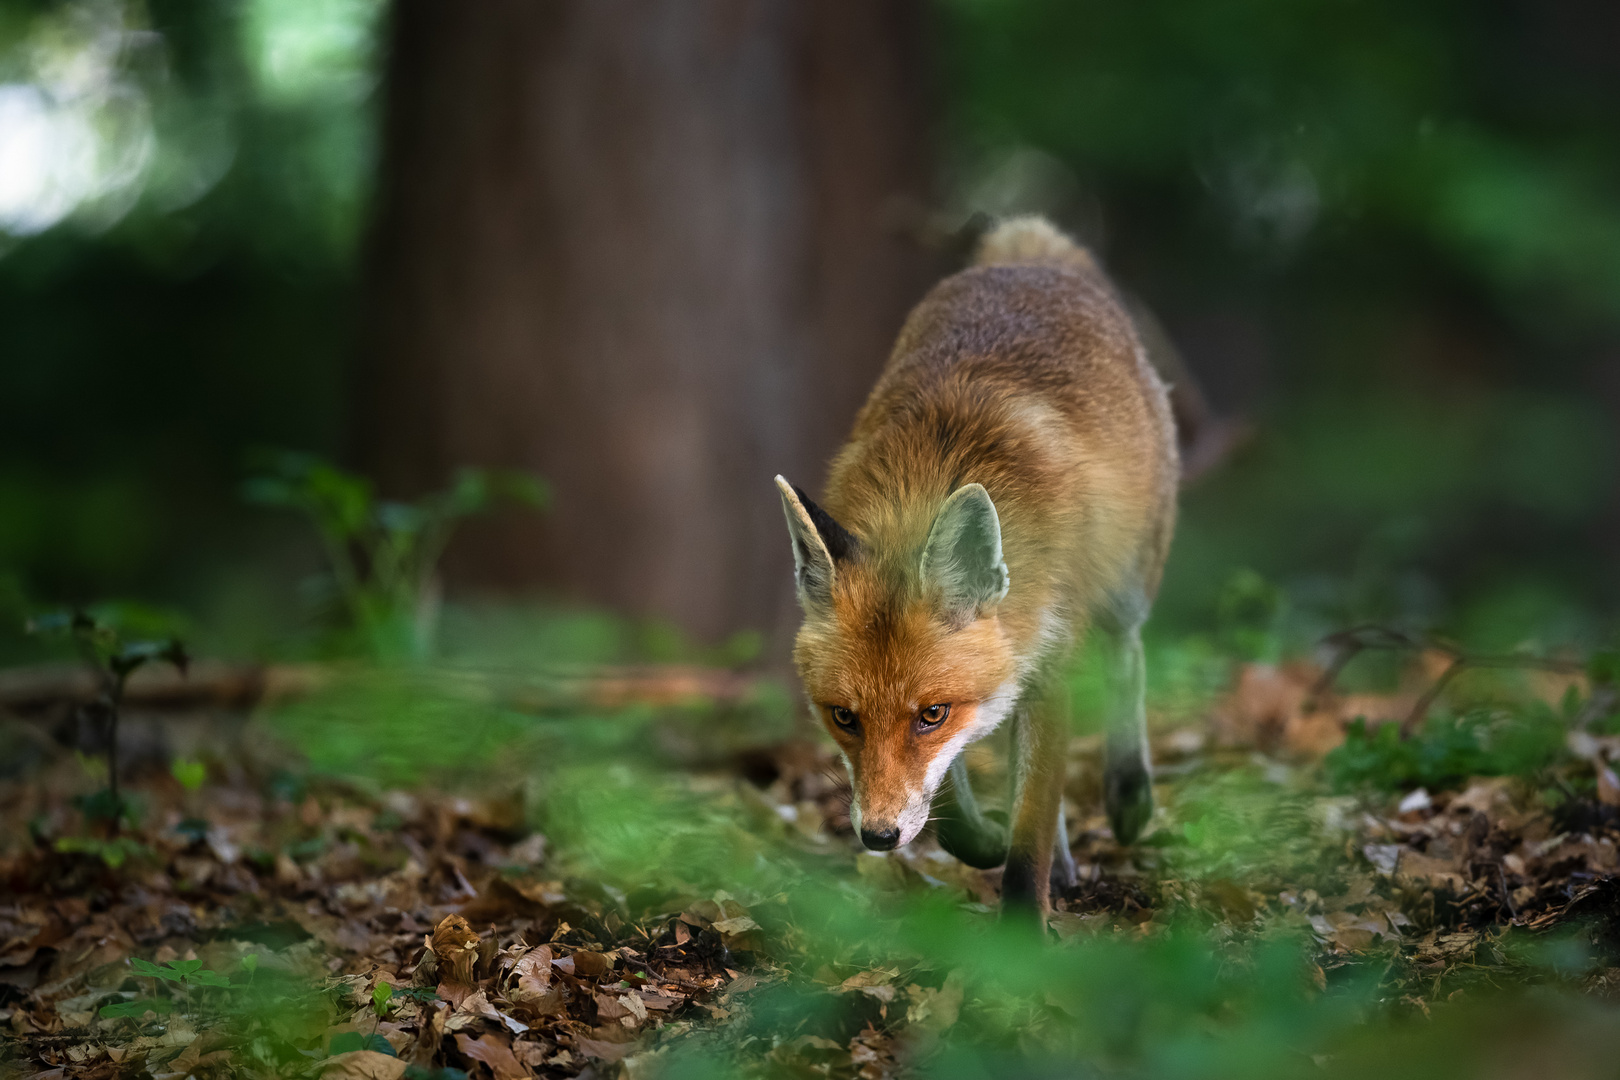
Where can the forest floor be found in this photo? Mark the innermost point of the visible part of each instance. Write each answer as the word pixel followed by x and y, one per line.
pixel 1298 907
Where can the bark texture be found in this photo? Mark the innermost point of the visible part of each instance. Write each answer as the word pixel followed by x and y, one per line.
pixel 642 247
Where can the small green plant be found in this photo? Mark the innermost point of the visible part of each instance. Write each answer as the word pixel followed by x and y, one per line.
pixel 1249 612
pixel 188 774
pixel 381 995
pixel 383 555
pixel 180 972
pixel 114 852
pixel 346 1042
pixel 114 659
pixel 134 1010
pixel 1447 750
pixel 184 974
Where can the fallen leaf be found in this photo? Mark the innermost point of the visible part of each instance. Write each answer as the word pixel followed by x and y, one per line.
pixel 610 1052
pixel 494 1052
pixel 934 1009
pixel 660 1001
pixel 533 971
pixel 609 1007
pixel 1383 856
pixel 362 1065
pixel 591 964
pixel 1427 870
pixel 1414 802
pixel 455 943
pixel 1608 786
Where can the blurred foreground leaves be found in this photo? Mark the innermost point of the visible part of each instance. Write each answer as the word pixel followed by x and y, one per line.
pixel 672 890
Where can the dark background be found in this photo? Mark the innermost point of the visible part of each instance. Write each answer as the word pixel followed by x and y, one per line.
pixel 656 252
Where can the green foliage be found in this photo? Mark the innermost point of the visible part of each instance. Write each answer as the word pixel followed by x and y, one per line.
pixel 381 995
pixel 421 1072
pixel 102 805
pixel 346 1042
pixel 1237 825
pixel 114 852
pixel 1447 750
pixel 102 642
pixel 102 636
pixel 1301 121
pixel 1248 615
pixel 180 972
pixel 190 775
pixel 383 555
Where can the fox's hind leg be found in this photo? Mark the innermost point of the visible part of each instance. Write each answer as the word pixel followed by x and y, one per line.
pixel 1127 775
pixel 1065 875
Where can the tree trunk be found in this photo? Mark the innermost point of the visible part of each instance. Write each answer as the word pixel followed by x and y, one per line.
pixel 642 249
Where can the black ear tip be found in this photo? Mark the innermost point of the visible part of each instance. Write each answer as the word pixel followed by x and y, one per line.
pixel 841 543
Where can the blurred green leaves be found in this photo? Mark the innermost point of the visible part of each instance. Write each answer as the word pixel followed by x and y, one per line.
pixel 1447 750
pixel 1294 117
pixel 383 555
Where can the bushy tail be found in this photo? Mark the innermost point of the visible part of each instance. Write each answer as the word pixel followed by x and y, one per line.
pixel 1030 238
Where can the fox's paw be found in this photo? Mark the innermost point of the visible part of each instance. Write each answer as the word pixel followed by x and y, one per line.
pixel 1065 875
pixel 1128 798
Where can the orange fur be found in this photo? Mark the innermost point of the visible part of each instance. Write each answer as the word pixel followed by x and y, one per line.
pixel 1023 374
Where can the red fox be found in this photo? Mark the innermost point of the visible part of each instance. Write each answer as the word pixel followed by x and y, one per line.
pixel 1008 491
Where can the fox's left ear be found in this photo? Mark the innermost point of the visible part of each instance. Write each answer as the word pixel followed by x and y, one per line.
pixel 963 555
pixel 819 543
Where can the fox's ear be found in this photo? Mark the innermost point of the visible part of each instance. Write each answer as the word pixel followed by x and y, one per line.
pixel 963 555
pixel 819 543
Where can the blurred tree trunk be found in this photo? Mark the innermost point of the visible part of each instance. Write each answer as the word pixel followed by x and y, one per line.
pixel 640 247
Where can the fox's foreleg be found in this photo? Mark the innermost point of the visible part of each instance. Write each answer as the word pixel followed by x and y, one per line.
pixel 1040 751
pixel 964 830
pixel 1127 776
pixel 979 839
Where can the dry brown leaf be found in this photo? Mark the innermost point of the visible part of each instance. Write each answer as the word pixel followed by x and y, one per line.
pixel 591 964
pixel 610 1052
pixel 935 1009
pixel 659 1001
pixel 495 1052
pixel 362 1065
pixel 1427 870
pixel 533 972
pixel 739 925
pixel 609 1007
pixel 1608 785
pixel 455 943
pixel 455 993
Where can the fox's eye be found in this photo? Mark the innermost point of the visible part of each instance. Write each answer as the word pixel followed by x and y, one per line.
pixel 933 716
pixel 845 718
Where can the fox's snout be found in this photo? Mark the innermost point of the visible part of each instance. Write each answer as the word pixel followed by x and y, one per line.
pixel 887 811
pixel 886 839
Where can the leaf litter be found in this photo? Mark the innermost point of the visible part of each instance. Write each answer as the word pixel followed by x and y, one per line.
pixel 278 924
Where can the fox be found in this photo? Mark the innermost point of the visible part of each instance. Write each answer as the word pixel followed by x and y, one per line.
pixel 1006 497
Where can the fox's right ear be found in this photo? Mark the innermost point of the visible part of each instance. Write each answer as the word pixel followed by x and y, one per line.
pixel 819 543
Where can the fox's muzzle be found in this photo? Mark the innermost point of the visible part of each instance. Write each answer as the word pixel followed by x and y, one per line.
pixel 886 839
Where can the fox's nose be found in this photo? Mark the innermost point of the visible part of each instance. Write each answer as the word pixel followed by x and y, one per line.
pixel 880 839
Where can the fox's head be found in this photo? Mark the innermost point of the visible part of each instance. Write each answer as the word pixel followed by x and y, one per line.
pixel 901 652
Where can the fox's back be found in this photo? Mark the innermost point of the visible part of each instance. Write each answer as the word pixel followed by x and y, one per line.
pixel 1024 375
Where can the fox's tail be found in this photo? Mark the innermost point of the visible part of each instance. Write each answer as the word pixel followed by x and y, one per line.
pixel 1030 238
